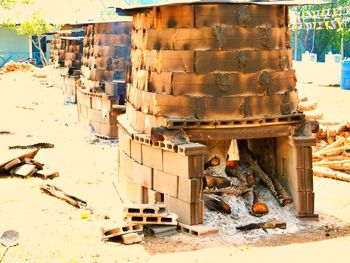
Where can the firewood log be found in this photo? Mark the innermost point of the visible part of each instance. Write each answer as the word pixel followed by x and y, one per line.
pixel 216 204
pixel 215 182
pixel 259 207
pixel 337 150
pixel 264 225
pixel 337 143
pixel 236 191
pixel 329 173
pixel 281 194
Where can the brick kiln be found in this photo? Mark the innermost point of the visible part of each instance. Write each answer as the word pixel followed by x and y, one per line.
pixel 202 75
pixel 101 96
pixel 72 62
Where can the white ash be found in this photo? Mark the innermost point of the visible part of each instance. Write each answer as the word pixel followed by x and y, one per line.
pixel 240 216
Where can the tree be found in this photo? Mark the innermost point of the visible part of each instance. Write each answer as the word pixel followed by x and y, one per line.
pixel 321 41
pixel 7 4
pixel 38 27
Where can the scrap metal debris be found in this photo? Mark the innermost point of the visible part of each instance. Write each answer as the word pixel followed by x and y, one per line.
pixel 58 193
pixel 21 163
pixel 40 145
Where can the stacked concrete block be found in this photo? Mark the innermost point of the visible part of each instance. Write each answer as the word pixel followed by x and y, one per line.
pixel 100 112
pixel 106 54
pixel 219 62
pixel 294 166
pixel 58 50
pixel 151 174
pixel 214 71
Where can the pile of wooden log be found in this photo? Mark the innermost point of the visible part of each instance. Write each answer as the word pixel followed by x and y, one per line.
pixel 17 66
pixel 249 176
pixel 21 163
pixel 309 108
pixel 333 160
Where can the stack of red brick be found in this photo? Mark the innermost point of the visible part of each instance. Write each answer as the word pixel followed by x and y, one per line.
pixel 106 55
pixel 101 94
pixel 219 62
pixel 58 50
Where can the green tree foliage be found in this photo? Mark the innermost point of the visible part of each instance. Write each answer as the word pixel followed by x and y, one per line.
pixel 38 27
pixel 7 4
pixel 321 41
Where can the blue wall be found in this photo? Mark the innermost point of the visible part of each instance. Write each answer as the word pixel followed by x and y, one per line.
pixel 12 46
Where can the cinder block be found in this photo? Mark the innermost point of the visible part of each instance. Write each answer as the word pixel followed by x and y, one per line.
pixel 136 151
pixel 124 142
pixel 154 197
pixel 96 103
pixel 190 190
pixel 134 192
pixel 142 175
pixel 192 149
pixel 305 179
pixel 152 157
pixel 126 164
pixel 185 166
pixel 188 213
pixel 132 238
pixel 165 183
pixel 304 204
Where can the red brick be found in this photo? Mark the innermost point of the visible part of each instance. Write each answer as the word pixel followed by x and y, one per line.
pixel 132 238
pixel 136 152
pixel 186 166
pixel 152 157
pixel 126 164
pixel 142 175
pixel 154 197
pixel 165 183
pixel 188 213
pixel 134 192
pixel 124 142
pixel 190 190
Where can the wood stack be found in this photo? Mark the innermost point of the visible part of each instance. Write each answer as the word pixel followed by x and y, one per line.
pixel 331 156
pixel 101 95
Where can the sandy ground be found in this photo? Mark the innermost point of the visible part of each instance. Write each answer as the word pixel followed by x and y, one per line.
pixel 52 231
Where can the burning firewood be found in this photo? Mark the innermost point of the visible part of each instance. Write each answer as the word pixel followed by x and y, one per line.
pixel 259 207
pixel 216 204
pixel 272 224
pixel 272 183
pixel 216 182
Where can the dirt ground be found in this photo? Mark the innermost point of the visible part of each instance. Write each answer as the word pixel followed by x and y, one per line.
pixel 52 231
